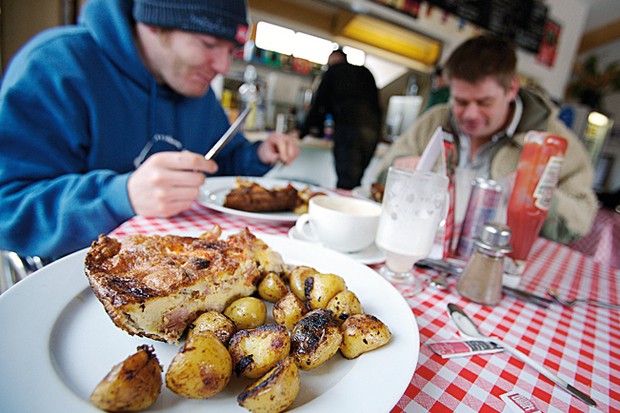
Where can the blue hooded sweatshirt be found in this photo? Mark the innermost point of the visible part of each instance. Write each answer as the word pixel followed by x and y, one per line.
pixel 77 107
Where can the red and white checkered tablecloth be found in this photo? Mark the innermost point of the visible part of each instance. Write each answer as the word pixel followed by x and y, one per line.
pixel 197 219
pixel 602 242
pixel 581 344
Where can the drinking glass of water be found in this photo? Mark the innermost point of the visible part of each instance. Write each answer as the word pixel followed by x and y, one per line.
pixel 414 202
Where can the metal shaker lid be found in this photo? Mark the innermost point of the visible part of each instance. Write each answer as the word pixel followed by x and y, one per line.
pixel 494 236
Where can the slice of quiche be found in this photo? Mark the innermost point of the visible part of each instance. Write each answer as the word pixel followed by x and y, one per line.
pixel 155 286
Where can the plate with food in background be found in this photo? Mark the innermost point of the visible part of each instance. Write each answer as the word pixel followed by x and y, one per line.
pixel 374 192
pixel 267 199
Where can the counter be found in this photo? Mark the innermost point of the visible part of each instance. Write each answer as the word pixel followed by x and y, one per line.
pixel 315 164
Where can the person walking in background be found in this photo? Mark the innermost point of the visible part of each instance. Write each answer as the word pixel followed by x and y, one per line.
pixel 489 116
pixel 349 94
pixel 111 117
pixel 440 92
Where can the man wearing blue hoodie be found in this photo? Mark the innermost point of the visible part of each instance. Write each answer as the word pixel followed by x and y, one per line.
pixel 111 118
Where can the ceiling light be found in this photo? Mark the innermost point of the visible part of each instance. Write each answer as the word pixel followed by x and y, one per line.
pixel 388 36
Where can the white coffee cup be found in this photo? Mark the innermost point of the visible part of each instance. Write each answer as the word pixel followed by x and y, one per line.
pixel 340 223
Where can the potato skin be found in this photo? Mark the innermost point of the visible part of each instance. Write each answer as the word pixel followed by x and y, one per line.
pixel 344 304
pixel 132 385
pixel 254 352
pixel 288 310
pixel 201 369
pixel 272 288
pixel 315 339
pixel 216 322
pixel 247 312
pixel 297 280
pixel 275 391
pixel 320 288
pixel 363 333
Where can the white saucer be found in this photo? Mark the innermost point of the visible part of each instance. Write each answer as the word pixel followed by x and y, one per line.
pixel 370 255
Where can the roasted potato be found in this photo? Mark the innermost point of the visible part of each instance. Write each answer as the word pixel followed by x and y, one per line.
pixel 201 369
pixel 247 312
pixel 288 310
pixel 362 333
pixel 320 288
pixel 254 352
pixel 132 385
pixel 273 392
pixel 344 304
pixel 286 274
pixel 272 288
pixel 297 279
pixel 215 322
pixel 315 339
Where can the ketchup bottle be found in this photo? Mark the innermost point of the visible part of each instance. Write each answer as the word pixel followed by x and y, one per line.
pixel 537 177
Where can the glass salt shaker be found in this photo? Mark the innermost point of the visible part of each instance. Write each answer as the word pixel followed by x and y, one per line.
pixel 481 280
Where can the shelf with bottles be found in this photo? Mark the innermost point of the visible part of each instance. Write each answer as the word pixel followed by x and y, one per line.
pixel 231 102
pixel 279 61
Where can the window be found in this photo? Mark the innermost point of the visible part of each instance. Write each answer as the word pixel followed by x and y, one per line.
pixel 315 49
pixel 276 38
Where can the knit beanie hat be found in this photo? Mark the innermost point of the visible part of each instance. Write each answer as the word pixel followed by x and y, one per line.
pixel 226 19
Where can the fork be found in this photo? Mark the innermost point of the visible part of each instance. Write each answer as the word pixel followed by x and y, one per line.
pixel 571 303
pixel 439 281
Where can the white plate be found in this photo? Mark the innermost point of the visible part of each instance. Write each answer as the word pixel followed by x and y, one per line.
pixel 214 191
pixel 57 343
pixel 369 256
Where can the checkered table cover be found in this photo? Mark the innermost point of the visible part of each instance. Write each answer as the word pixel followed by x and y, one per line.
pixel 603 241
pixel 581 344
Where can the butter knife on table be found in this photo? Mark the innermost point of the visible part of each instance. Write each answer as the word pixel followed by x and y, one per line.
pixel 467 327
pixel 232 130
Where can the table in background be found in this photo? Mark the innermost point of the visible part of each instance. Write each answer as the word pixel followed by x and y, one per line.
pixel 581 344
pixel 315 164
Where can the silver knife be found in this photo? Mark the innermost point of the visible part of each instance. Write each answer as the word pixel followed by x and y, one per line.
pixel 440 265
pixel 232 130
pixel 468 328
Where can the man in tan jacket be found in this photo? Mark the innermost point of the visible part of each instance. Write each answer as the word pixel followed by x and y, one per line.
pixel 489 116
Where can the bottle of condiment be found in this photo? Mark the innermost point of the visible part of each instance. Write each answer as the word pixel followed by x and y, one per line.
pixel 537 176
pixel 481 281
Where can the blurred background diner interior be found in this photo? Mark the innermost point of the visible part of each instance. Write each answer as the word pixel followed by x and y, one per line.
pixel 568 48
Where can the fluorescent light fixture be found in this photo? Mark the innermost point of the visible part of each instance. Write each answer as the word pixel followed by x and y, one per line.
pixel 390 37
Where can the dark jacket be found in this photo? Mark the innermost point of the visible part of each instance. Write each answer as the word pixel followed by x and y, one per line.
pixel 350 94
